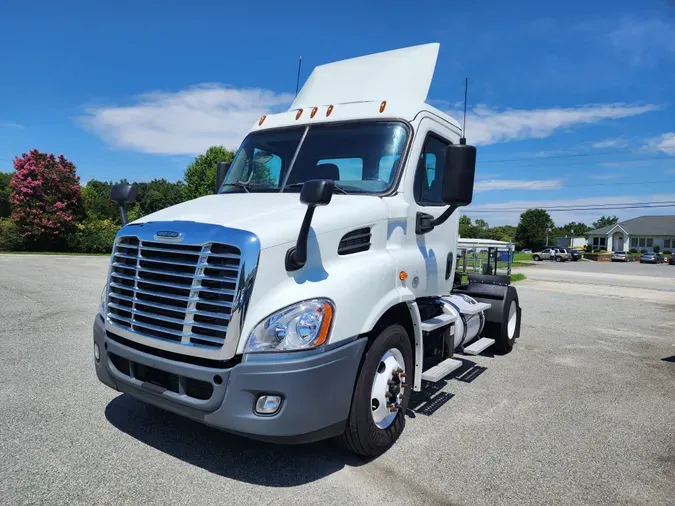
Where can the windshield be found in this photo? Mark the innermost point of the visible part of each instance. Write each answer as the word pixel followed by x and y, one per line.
pixel 362 158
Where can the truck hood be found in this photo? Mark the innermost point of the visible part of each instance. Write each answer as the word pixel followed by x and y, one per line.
pixel 274 217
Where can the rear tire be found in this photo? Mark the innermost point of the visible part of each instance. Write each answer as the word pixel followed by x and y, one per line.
pixel 536 258
pixel 558 259
pixel 362 435
pixel 507 331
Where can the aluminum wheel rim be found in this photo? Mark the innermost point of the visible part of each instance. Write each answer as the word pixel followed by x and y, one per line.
pixel 513 319
pixel 391 361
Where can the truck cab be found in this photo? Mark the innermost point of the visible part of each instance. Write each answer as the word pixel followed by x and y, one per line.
pixel 315 290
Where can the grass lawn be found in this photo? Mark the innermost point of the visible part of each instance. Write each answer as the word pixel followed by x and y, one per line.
pixel 514 277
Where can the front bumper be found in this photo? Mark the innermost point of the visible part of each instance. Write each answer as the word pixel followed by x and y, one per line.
pixel 316 387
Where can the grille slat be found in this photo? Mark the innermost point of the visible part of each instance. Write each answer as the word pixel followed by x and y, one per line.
pixel 182 293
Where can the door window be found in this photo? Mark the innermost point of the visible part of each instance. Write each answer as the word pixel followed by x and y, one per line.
pixel 429 175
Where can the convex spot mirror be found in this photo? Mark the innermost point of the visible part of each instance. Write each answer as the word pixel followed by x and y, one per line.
pixel 317 192
pixel 458 175
pixel 123 193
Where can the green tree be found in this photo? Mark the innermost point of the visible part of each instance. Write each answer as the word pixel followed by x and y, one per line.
pixel 159 194
pixel 466 229
pixel 605 221
pixel 200 175
pixel 5 179
pixel 503 233
pixel 532 228
pixel 97 205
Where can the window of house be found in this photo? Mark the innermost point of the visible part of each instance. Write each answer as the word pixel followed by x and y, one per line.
pixel 642 242
pixel 633 242
pixel 666 243
pixel 650 242
pixel 429 175
pixel 603 241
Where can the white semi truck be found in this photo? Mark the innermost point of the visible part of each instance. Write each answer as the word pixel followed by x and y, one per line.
pixel 315 291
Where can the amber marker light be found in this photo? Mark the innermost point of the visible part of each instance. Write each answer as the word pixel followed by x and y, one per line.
pixel 383 105
pixel 403 275
pixel 325 326
pixel 262 118
pixel 298 114
pixel 329 110
pixel 313 113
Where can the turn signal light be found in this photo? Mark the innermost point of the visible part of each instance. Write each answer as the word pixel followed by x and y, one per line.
pixel 403 275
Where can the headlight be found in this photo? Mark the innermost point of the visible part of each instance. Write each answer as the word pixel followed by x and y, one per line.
pixel 298 327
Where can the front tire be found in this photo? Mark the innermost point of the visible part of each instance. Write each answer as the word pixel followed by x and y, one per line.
pixel 373 428
pixel 536 258
pixel 558 259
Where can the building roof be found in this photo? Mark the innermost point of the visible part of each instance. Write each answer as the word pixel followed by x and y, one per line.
pixel 644 225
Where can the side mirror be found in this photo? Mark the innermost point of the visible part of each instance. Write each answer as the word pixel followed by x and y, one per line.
pixel 317 192
pixel 458 175
pixel 457 191
pixel 123 194
pixel 221 172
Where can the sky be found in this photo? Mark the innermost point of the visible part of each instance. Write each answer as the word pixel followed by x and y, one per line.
pixel 570 103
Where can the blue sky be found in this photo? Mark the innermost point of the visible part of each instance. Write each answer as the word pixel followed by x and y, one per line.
pixel 571 103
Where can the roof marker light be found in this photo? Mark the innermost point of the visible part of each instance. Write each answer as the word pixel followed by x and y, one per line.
pixel 262 118
pixel 298 114
pixel 383 105
pixel 313 113
pixel 329 110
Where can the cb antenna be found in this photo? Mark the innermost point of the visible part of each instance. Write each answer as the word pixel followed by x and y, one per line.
pixel 297 81
pixel 466 90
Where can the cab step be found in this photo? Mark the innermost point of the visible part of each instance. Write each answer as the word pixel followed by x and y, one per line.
pixel 440 371
pixel 437 322
pixel 479 346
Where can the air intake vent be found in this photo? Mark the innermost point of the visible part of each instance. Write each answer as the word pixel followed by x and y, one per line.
pixel 355 242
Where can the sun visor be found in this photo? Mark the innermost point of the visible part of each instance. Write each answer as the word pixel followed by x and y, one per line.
pixel 399 75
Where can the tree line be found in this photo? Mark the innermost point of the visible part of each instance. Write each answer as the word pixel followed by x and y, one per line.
pixel 43 207
pixel 535 229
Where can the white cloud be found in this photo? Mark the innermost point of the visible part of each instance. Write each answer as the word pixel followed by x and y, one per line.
pixel 610 143
pixel 516 184
pixel 645 40
pixel 664 143
pixel 488 125
pixel 508 213
pixel 10 124
pixel 186 122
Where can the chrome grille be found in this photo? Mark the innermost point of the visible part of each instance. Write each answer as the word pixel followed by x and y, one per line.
pixel 177 292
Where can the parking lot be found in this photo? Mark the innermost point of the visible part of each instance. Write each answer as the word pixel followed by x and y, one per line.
pixel 581 412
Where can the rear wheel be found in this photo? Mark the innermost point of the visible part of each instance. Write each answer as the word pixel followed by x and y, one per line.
pixel 377 415
pixel 536 258
pixel 505 332
pixel 558 259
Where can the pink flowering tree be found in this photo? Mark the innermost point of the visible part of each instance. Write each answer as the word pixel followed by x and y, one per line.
pixel 45 198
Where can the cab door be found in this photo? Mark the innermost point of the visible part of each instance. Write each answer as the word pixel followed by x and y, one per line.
pixel 438 246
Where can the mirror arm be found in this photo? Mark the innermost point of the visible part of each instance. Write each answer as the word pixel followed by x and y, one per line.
pixel 296 257
pixel 123 214
pixel 426 223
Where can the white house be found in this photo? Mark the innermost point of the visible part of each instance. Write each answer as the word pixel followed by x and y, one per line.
pixel 640 233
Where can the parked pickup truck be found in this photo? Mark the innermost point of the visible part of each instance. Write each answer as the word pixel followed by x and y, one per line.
pixel 557 254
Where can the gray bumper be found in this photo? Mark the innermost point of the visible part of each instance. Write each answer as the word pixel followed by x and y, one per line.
pixel 316 388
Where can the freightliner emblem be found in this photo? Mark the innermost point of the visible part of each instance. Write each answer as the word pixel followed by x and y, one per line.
pixel 168 235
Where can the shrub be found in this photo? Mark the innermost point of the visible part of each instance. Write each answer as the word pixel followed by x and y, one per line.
pixel 667 252
pixel 633 251
pixel 656 248
pixel 45 199
pixel 93 236
pixel 643 251
pixel 10 238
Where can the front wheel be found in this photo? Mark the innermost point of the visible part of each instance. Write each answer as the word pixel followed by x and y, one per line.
pixel 382 393
pixel 558 259
pixel 536 258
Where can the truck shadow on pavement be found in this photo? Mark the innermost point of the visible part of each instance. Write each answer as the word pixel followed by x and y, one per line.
pixel 225 454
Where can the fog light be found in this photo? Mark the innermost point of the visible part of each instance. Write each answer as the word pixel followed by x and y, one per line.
pixel 97 353
pixel 267 404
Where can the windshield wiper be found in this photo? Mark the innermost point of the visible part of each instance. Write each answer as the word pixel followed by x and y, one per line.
pixel 336 187
pixel 240 184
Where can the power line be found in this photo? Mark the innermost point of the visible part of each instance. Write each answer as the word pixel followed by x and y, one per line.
pixel 578 207
pixel 573 155
pixel 596 162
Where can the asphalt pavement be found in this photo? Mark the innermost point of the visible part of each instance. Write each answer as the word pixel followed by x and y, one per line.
pixel 581 412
